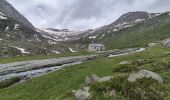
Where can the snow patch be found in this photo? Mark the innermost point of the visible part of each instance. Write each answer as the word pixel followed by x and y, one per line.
pixel 120 25
pixel 157 14
pixel 93 37
pixel 169 14
pixel 60 35
pixel 6 29
pixel 22 50
pixel 16 26
pixel 51 42
pixel 114 30
pixel 139 20
pixel 72 50
pixel 2 16
pixel 56 52
pixel 1 39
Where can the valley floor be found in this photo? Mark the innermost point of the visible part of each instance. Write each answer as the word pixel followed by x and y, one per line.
pixel 59 85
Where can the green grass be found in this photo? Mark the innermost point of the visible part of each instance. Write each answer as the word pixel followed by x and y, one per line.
pixel 37 57
pixel 58 85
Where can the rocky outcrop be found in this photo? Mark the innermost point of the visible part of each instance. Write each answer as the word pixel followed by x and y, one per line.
pixel 125 63
pixel 83 94
pixel 166 43
pixel 91 79
pixel 94 78
pixel 11 12
pixel 145 74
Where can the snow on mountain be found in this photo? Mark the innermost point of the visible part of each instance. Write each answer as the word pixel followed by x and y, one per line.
pixel 58 35
pixel 2 16
pixel 22 50
pixel 73 51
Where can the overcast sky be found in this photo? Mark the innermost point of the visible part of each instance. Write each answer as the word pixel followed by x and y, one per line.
pixel 82 14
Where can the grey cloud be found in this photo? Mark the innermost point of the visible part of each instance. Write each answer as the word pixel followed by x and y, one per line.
pixel 82 14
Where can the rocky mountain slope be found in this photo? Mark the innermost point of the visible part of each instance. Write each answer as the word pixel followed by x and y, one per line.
pixel 19 37
pixel 11 12
pixel 133 29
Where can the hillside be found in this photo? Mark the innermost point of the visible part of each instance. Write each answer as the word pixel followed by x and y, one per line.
pixel 137 34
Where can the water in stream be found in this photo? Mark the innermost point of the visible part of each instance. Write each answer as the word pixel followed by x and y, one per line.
pixel 37 72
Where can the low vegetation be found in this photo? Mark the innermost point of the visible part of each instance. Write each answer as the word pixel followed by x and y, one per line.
pixel 58 85
pixel 8 82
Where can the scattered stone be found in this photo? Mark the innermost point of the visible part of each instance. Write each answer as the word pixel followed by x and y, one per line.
pixel 166 43
pixel 91 79
pixel 152 44
pixel 95 77
pixel 88 80
pixel 144 74
pixel 125 63
pixel 104 79
pixel 112 93
pixel 82 94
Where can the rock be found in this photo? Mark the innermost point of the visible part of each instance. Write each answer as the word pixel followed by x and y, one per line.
pixel 144 74
pixel 91 79
pixel 88 80
pixel 104 79
pixel 82 94
pixel 152 44
pixel 166 43
pixel 125 63
pixel 95 77
pixel 112 93
pixel 87 89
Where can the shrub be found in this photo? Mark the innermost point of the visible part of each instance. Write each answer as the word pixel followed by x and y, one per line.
pixel 125 68
pixel 142 89
pixel 115 82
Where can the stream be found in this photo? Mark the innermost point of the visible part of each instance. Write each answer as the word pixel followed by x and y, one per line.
pixel 29 69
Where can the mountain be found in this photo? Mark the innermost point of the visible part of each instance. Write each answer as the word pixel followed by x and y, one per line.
pixel 154 28
pixel 19 37
pixel 57 35
pixel 126 20
pixel 8 10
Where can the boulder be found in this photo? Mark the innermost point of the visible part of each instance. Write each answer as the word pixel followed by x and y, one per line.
pixel 125 63
pixel 145 74
pixel 112 93
pixel 91 79
pixel 152 44
pixel 88 80
pixel 166 43
pixel 104 79
pixel 82 94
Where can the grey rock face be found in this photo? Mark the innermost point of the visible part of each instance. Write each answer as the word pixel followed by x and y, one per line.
pixel 82 94
pixel 144 74
pixel 166 43
pixel 11 12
